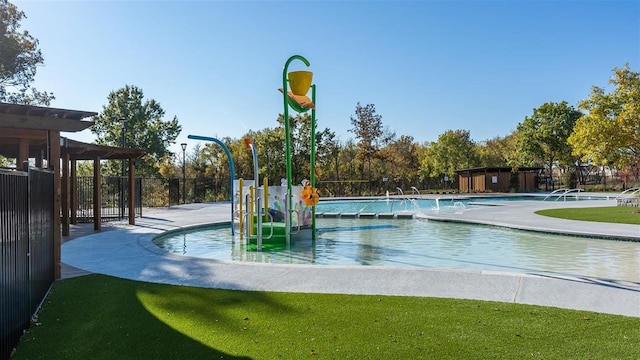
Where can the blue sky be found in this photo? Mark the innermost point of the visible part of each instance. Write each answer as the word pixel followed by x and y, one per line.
pixel 428 66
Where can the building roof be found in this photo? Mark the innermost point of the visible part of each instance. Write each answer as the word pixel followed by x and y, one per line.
pixel 497 169
pixel 44 118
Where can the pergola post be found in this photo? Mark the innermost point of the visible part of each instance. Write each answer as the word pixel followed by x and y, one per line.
pixel 132 192
pixel 97 195
pixel 23 152
pixel 38 159
pixel 54 162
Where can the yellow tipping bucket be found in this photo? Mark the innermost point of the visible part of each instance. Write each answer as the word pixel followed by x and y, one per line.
pixel 300 82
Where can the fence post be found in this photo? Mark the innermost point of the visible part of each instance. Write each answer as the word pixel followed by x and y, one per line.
pixel 97 195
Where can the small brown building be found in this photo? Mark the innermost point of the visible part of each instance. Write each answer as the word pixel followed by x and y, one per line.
pixel 497 179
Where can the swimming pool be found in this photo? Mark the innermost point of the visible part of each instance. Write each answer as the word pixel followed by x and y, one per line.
pixel 425 244
pixel 439 204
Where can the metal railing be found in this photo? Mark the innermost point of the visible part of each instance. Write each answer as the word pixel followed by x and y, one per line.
pixel 114 190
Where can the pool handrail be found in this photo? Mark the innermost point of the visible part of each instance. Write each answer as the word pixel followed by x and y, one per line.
pixel 415 190
pixel 564 193
pixel 554 192
pixel 369 203
pixel 564 196
pixel 634 190
pixel 270 217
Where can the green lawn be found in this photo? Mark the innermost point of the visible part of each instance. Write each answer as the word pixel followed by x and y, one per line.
pixel 611 214
pixel 101 317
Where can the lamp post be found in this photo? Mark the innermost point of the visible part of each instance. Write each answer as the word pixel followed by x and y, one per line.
pixel 184 174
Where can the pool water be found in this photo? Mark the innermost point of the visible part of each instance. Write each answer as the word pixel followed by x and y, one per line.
pixel 425 244
pixel 445 203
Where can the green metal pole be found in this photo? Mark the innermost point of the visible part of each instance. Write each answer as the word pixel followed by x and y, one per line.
pixel 313 159
pixel 287 139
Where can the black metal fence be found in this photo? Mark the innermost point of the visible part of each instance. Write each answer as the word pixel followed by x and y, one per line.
pixel 115 204
pixel 41 233
pixel 151 192
pixel 196 190
pixel 203 189
pixel 175 191
pixel 26 249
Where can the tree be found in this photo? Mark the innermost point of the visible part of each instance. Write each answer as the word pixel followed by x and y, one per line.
pixel 543 135
pixel 144 128
pixel 271 153
pixel 211 162
pixel 452 151
pixel 610 131
pixel 368 129
pixel 328 151
pixel 300 134
pixel 348 167
pixel 19 59
pixel 497 151
pixel 402 154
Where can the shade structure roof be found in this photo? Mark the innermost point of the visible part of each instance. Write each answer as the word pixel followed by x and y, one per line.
pixel 32 123
pixel 37 117
pixel 85 151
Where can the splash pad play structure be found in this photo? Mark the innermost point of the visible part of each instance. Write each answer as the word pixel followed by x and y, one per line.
pixel 271 217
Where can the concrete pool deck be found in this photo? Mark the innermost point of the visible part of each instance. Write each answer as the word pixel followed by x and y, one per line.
pixel 127 251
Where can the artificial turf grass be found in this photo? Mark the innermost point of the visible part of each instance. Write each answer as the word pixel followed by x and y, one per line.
pixel 102 317
pixel 611 214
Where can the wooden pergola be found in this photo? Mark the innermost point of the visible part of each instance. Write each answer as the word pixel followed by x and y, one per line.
pixel 72 151
pixel 33 133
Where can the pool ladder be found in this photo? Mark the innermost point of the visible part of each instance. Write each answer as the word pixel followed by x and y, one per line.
pixel 562 193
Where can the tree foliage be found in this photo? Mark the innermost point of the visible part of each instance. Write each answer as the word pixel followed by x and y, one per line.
pixel 401 158
pixel 327 157
pixel 454 150
pixel 19 60
pixel 543 135
pixel 402 162
pixel 610 131
pixel 498 151
pixel 370 135
pixel 144 128
pixel 300 127
pixel 271 152
pixel 269 142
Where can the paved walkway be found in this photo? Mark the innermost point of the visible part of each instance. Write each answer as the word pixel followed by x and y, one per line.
pixel 127 251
